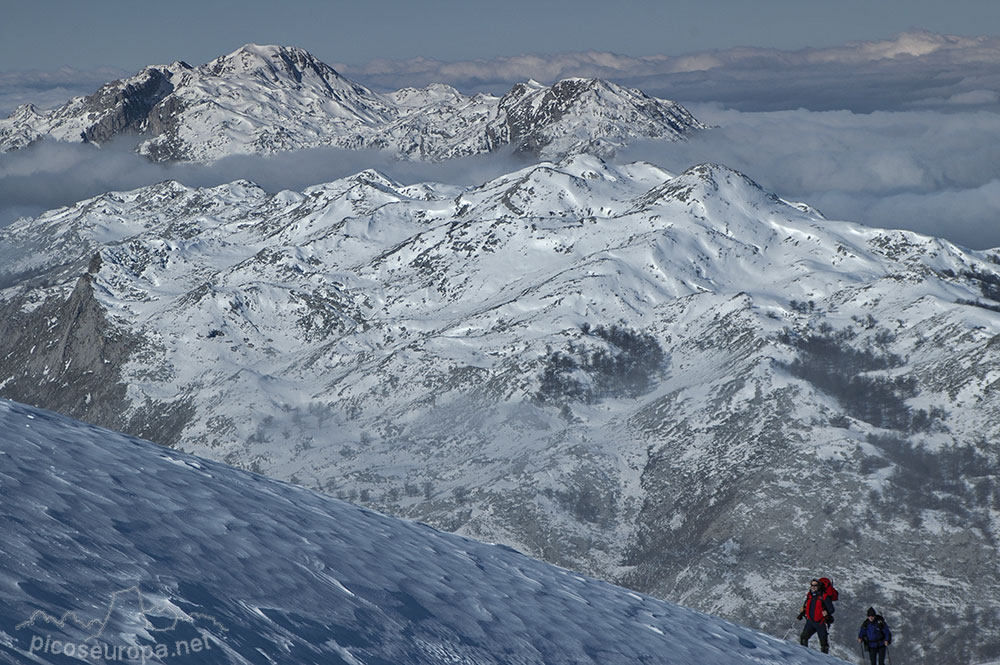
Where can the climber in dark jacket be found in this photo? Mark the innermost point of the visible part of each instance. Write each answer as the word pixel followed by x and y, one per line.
pixel 818 612
pixel 875 635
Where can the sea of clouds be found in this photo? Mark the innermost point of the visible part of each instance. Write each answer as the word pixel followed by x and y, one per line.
pixel 929 171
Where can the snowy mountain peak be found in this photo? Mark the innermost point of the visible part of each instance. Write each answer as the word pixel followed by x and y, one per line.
pixel 273 64
pixel 266 99
pixel 576 85
pixel 711 178
pixel 376 178
pixel 24 113
pixel 711 188
pixel 585 115
pixel 436 93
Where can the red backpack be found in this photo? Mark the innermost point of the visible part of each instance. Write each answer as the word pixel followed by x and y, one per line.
pixel 828 590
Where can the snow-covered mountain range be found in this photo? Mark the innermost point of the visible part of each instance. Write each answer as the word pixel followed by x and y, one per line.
pixel 681 383
pixel 267 99
pixel 115 549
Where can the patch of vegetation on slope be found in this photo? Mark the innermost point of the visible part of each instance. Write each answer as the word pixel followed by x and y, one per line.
pixel 608 361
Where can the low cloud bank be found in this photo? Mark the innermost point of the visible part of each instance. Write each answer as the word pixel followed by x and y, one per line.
pixel 933 172
pixel 51 174
pixel 928 171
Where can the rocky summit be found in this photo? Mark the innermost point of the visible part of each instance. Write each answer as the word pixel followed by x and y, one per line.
pixel 678 382
pixel 269 99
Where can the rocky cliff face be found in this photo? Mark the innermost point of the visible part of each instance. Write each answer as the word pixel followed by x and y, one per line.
pixel 266 99
pixel 125 107
pixel 679 382
pixel 65 355
pixel 120 108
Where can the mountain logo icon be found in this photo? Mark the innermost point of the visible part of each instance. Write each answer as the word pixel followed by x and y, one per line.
pixel 129 604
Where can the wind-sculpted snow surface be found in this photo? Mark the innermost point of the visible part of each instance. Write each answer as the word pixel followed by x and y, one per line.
pixel 681 383
pixel 268 99
pixel 116 549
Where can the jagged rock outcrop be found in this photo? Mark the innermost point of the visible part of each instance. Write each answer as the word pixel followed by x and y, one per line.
pixel 126 108
pixel 64 353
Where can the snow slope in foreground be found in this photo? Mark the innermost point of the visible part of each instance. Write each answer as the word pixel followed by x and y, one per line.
pixel 117 549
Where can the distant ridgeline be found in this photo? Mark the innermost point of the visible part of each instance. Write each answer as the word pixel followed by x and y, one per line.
pixel 269 99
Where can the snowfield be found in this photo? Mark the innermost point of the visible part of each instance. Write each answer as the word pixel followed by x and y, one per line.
pixel 115 547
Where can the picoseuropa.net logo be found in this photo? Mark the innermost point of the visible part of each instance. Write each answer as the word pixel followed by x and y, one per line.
pixel 128 613
pixel 118 652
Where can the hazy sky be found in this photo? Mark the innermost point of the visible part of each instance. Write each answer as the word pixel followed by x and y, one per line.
pixel 48 34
